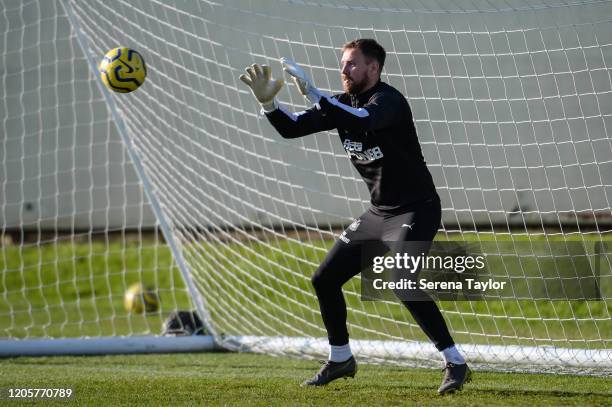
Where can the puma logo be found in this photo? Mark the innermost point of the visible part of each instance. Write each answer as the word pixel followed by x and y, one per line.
pixel 405 225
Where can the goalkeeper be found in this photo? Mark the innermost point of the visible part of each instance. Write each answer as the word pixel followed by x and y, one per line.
pixel 374 122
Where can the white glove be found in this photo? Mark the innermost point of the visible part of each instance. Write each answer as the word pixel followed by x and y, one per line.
pixel 262 85
pixel 302 80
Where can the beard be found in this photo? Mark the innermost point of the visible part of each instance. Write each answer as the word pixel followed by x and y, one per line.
pixel 352 86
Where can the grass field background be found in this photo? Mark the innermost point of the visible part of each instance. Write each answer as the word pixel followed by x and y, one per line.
pixel 75 288
pixel 254 380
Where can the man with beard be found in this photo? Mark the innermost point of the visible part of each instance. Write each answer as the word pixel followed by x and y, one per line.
pixel 374 122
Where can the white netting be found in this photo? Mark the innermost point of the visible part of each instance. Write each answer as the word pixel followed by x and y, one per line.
pixel 72 207
pixel 512 106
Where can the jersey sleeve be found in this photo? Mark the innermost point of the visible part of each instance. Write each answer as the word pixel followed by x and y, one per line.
pixel 298 124
pixel 381 111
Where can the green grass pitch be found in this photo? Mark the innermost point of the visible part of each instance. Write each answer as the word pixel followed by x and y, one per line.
pixel 224 379
pixel 72 289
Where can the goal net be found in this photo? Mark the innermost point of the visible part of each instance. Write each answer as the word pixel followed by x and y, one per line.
pixel 183 184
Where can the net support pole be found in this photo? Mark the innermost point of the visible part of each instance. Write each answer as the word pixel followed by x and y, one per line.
pixel 108 345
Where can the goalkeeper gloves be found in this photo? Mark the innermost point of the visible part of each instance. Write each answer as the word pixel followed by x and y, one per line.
pixel 259 79
pixel 302 81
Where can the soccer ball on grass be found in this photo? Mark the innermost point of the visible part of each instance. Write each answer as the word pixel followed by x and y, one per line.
pixel 139 299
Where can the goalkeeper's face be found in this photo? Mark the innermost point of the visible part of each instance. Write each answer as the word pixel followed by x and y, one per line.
pixel 358 72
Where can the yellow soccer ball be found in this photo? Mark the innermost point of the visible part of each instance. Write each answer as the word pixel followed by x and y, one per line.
pixel 122 70
pixel 139 299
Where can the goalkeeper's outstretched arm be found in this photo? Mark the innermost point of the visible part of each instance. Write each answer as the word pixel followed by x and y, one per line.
pixel 288 124
pixel 300 124
pixel 381 110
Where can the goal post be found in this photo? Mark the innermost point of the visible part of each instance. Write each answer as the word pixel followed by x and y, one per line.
pixel 185 185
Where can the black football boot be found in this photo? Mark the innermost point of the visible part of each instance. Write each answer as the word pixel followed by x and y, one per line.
pixel 454 378
pixel 332 371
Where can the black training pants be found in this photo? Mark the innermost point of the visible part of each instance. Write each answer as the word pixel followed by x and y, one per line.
pixel 345 260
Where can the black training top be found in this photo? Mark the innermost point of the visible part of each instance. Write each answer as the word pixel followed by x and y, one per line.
pixel 378 134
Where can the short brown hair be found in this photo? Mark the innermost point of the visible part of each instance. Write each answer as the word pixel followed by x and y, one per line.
pixel 369 48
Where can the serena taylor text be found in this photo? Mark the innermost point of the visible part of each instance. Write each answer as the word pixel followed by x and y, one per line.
pixel 424 284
